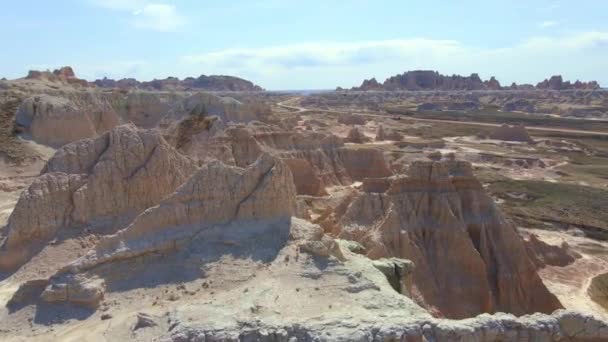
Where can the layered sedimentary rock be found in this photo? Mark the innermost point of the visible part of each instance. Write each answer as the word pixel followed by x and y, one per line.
pixel 64 74
pixel 144 109
pixel 383 134
pixel 427 80
pixel 319 160
pixel 469 258
pixel 203 82
pixel 215 194
pixel 556 82
pixel 433 80
pixel 519 105
pixel 56 120
pixel 205 104
pixel 543 254
pixel 517 133
pixel 355 136
pixel 111 177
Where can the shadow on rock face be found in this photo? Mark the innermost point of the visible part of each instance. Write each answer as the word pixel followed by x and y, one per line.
pixel 49 313
pixel 258 242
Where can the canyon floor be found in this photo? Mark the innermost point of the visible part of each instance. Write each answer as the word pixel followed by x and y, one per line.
pixel 260 216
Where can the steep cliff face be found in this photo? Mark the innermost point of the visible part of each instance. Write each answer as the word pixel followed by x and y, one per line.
pixel 319 160
pixel 57 121
pixel 556 82
pixel 120 173
pixel 215 194
pixel 469 258
pixel 429 80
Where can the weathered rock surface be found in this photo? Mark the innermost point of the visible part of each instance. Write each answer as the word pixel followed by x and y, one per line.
pixel 598 290
pixel 76 290
pixel 557 83
pixel 203 82
pixel 543 254
pixel 469 258
pixel 215 194
pixel 355 136
pixel 561 326
pixel 64 74
pixel 516 133
pixel 56 121
pixel 383 134
pixel 317 160
pixel 433 80
pixel 114 176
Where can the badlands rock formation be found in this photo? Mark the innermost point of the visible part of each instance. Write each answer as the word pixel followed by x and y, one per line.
pixel 63 75
pixel 320 160
pixel 469 258
pixel 433 80
pixel 517 133
pixel 214 195
pixel 56 120
pixel 203 82
pixel 557 83
pixel 383 134
pixel 112 177
pixel 219 221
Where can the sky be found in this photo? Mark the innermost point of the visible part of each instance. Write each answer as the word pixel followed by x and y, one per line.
pixel 312 44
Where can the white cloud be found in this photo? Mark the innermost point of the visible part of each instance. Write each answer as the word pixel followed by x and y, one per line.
pixel 307 65
pixel 147 15
pixel 158 17
pixel 547 24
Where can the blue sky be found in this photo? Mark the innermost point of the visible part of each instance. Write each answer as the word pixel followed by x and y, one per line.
pixel 313 44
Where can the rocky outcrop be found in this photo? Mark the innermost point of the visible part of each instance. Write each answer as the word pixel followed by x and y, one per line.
pixel 371 84
pixel 56 121
pixel 598 290
pixel 74 289
pixel 557 83
pixel 215 194
pixel 144 109
pixel 561 326
pixel 203 82
pixel 543 254
pixel 433 80
pixel 306 180
pixel 492 84
pixel 517 133
pixel 469 258
pixel 427 80
pixel 384 134
pixel 355 136
pixel 112 177
pixel 317 160
pixel 206 104
pixel 64 75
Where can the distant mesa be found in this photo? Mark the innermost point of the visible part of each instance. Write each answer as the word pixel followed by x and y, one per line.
pixel 203 82
pixel 557 83
pixel 64 74
pixel 433 80
pixel 67 75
